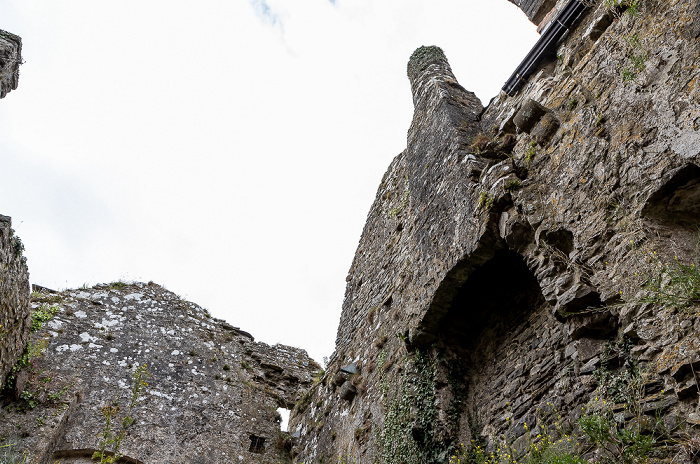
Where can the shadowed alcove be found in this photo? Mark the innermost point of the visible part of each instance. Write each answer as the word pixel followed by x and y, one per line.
pixel 486 338
pixel 495 299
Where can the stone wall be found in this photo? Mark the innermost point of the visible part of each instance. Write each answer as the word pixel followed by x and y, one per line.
pixel 15 318
pixel 520 261
pixel 535 10
pixel 10 60
pixel 212 392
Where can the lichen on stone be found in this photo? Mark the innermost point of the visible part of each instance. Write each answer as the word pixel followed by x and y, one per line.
pixel 423 57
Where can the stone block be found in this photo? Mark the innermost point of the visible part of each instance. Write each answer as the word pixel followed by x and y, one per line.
pixel 529 115
pixel 545 129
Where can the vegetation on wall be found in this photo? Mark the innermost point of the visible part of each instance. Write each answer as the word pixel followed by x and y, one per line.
pixel 408 433
pixel 422 58
pixel 111 437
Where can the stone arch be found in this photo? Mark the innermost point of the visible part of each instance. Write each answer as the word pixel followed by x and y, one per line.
pixel 494 319
pixel 500 348
pixel 676 202
pixel 672 211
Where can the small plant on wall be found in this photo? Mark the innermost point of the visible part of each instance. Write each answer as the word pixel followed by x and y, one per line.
pixel 112 435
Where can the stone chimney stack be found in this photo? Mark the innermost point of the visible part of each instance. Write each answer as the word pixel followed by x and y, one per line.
pixel 428 68
pixel 440 103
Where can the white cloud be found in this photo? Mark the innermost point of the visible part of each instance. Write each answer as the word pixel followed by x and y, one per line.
pixel 264 12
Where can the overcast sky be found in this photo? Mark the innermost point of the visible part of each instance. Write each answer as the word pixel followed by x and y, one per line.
pixel 228 150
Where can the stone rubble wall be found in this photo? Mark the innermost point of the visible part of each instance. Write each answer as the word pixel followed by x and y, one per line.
pixel 510 248
pixel 535 10
pixel 15 319
pixel 10 60
pixel 210 386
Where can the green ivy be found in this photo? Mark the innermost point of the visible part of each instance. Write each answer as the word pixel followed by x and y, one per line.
pixel 407 435
pixel 41 315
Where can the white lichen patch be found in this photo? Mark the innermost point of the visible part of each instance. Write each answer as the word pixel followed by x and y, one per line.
pixel 86 337
pixel 109 322
pixel 160 394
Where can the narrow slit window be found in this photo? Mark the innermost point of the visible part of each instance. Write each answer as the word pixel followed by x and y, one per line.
pixel 257 444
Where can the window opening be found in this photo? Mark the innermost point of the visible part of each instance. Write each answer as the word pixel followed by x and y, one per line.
pixel 257 444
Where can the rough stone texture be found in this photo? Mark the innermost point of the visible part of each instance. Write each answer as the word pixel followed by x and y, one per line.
pixel 10 60
pixel 211 386
pixel 535 10
pixel 15 318
pixel 485 291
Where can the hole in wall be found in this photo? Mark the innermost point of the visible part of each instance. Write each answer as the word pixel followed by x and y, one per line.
pixel 672 213
pixel 387 304
pixel 600 25
pixel 677 201
pixel 84 456
pixel 561 239
pixel 257 444
pixel 284 415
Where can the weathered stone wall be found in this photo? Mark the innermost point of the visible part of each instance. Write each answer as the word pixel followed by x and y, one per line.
pixel 211 387
pixel 15 318
pixel 10 60
pixel 535 10
pixel 503 277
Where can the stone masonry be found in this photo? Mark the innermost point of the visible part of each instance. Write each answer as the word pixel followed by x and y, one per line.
pixel 522 265
pixel 518 260
pixel 212 392
pixel 14 298
pixel 10 60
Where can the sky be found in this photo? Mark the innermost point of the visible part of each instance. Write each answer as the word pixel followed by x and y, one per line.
pixel 227 150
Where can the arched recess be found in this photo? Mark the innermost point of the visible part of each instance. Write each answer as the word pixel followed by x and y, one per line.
pixel 499 295
pixel 498 347
pixel 672 211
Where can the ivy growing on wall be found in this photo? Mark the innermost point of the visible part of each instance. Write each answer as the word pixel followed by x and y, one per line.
pixel 408 434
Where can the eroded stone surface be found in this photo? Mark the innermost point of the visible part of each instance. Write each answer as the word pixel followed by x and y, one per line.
pixel 211 386
pixel 14 298
pixel 517 261
pixel 10 60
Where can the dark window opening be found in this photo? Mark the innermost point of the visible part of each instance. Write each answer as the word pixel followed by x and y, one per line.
pixel 257 444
